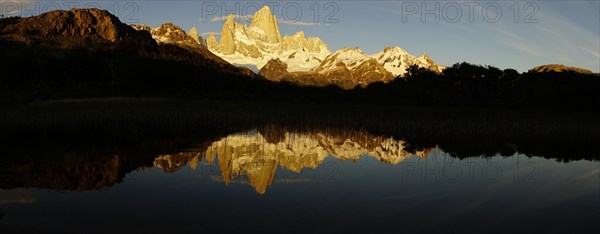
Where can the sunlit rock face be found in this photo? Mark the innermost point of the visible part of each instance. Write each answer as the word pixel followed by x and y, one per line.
pixel 76 27
pixel 193 33
pixel 559 68
pixel 258 154
pixel 171 34
pixel 211 41
pixel 262 41
pixel 308 60
pixel 347 68
pixel 264 26
pixel 396 61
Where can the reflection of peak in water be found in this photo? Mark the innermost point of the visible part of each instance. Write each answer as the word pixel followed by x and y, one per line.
pixel 173 162
pixel 257 156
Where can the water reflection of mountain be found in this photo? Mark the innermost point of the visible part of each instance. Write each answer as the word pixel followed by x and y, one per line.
pixel 257 157
pixel 254 156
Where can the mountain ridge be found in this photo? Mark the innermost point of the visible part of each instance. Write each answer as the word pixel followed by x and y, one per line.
pixel 169 33
pixel 261 41
pixel 59 26
pixel 261 45
pixel 90 52
pixel 396 60
pixel 347 68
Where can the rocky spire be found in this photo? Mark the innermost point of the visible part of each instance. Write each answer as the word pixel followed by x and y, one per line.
pixel 211 42
pixel 299 42
pixel 261 41
pixel 193 32
pixel 227 43
pixel 264 26
pixel 427 58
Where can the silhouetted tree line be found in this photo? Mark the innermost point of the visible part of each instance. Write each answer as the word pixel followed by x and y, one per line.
pixel 465 84
pixel 36 73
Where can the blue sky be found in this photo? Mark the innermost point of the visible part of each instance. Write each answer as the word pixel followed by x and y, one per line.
pixel 540 32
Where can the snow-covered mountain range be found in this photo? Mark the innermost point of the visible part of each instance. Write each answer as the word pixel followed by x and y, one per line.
pixel 296 58
pixel 261 41
pixel 396 60
pixel 346 68
pixel 307 61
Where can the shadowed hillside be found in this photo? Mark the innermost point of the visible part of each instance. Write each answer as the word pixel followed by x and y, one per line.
pixel 89 53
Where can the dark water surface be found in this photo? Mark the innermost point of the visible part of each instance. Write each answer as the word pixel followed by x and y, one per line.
pixel 299 182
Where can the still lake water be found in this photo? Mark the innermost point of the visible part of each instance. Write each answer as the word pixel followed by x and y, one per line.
pixel 315 182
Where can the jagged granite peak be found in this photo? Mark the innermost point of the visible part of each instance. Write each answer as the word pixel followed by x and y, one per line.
pixel 299 42
pixel 260 42
pixel 227 42
pixel 559 68
pixel 211 41
pixel 193 33
pixel 169 33
pixel 396 60
pixel 141 27
pixel 307 58
pixel 264 26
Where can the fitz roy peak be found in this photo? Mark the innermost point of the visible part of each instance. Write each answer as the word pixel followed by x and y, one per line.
pixel 307 61
pixel 260 42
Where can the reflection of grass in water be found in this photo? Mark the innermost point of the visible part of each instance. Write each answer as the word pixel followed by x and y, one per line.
pixel 131 119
